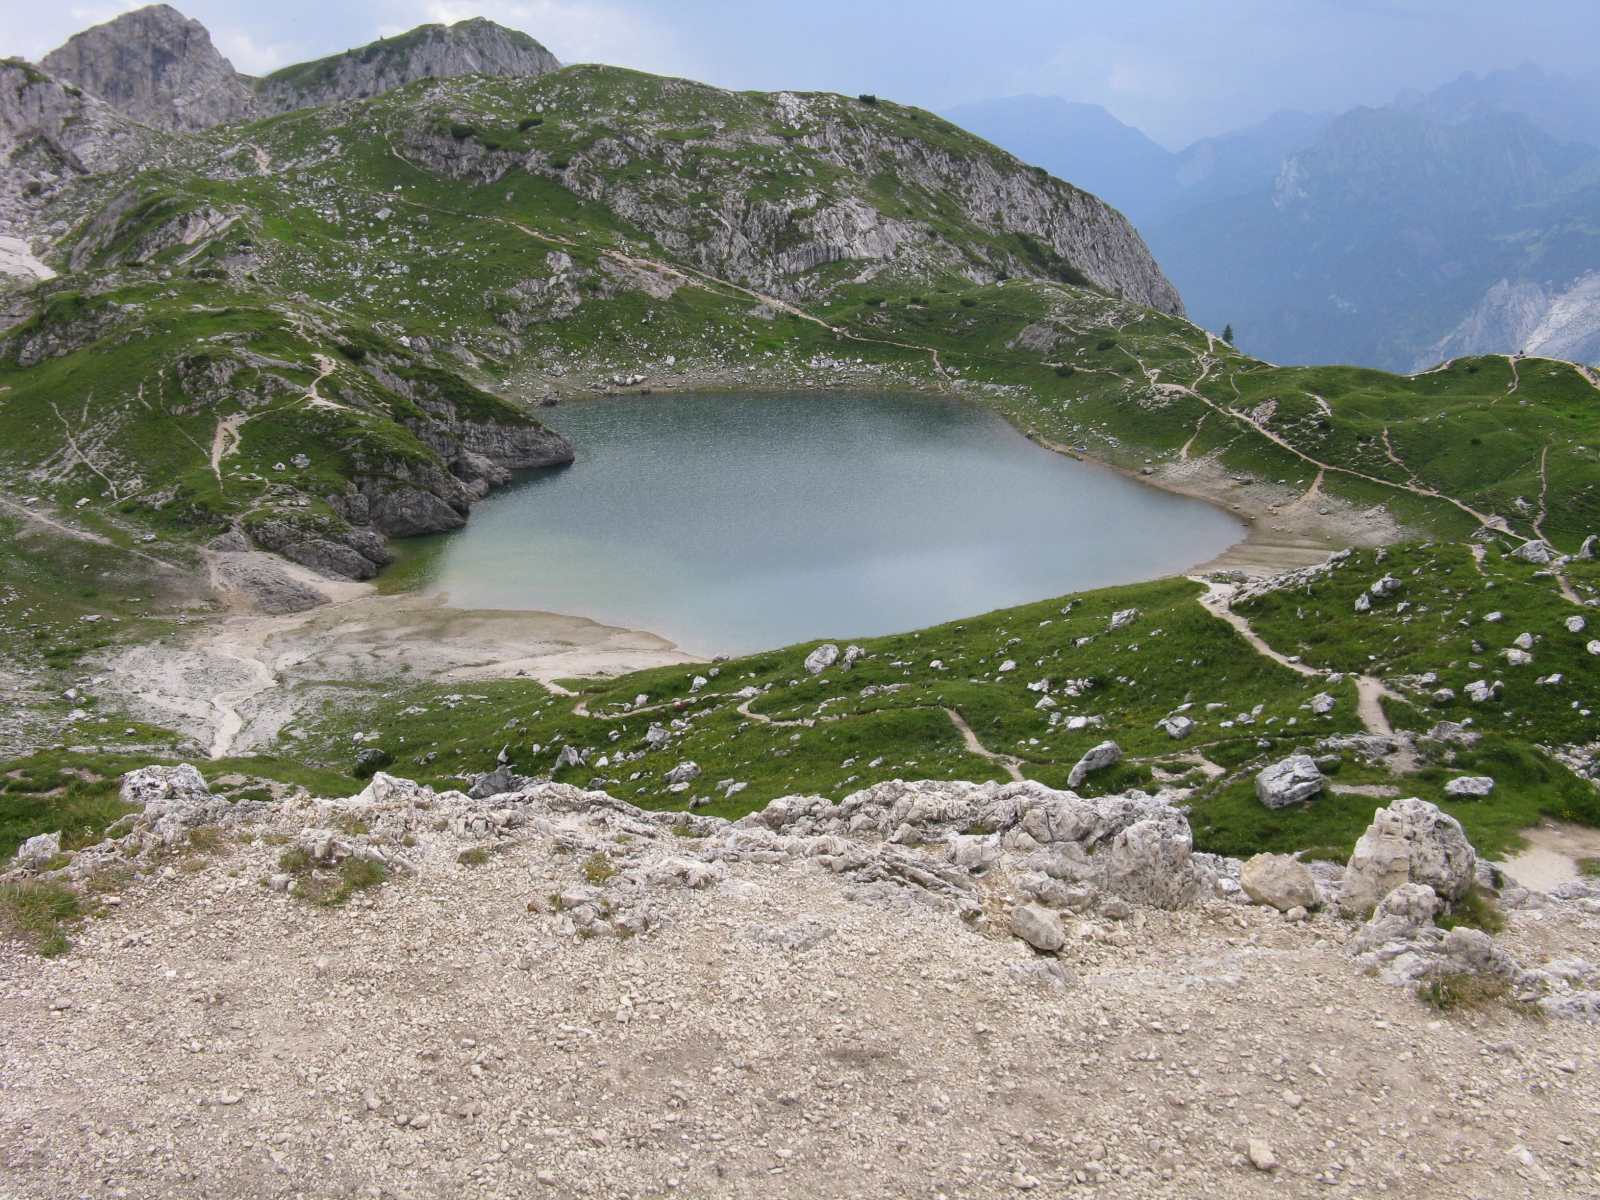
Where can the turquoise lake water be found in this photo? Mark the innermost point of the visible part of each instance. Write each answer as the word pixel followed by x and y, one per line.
pixel 733 523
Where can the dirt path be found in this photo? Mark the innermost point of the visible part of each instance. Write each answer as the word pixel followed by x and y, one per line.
pixel 1246 420
pixel 230 721
pixel 225 441
pixel 1183 452
pixel 82 535
pixel 1369 688
pixel 1551 855
pixel 1544 493
pixel 1215 601
pixel 969 738
pixel 80 456
pixel 1010 763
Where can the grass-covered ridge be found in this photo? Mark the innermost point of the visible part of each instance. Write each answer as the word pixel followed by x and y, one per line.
pixel 261 318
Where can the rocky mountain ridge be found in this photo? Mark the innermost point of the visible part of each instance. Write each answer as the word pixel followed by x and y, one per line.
pixel 471 47
pixel 161 69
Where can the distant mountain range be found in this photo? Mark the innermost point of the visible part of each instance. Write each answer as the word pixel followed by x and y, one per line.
pixel 1460 221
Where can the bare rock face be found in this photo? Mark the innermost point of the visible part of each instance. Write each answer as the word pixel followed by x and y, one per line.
pixel 475 47
pixel 156 66
pixel 1411 841
pixel 52 133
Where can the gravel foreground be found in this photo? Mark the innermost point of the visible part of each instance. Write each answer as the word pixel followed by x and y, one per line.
pixel 750 1023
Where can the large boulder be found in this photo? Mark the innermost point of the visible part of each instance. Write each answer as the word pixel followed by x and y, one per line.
pixel 1038 926
pixel 1291 781
pixel 1539 552
pixel 1152 862
pixel 1280 880
pixel 1411 841
pixel 37 851
pixel 823 657
pixel 1098 758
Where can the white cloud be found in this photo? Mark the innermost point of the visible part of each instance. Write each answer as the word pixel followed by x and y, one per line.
pixel 254 57
pixel 580 31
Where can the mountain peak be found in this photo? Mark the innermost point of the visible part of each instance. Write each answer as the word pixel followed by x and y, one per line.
pixel 161 68
pixel 473 46
pixel 156 66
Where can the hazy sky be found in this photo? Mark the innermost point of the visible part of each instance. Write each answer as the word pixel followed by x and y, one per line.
pixel 1178 69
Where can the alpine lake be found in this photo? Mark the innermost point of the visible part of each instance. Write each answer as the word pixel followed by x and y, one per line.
pixel 732 523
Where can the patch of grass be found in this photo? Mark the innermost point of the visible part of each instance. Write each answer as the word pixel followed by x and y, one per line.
pixel 1457 991
pixel 477 856
pixel 49 799
pixel 352 824
pixel 294 860
pixel 1589 867
pixel 598 869
pixel 39 913
pixel 206 841
pixel 329 888
pixel 1474 911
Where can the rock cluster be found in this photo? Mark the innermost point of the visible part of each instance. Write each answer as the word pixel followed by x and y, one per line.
pixel 1043 858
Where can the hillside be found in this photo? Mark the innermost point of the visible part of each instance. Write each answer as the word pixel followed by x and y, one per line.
pixel 299 338
pixel 1276 874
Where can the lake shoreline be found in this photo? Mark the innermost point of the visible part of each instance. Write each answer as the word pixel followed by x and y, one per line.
pixel 268 666
pixel 1283 528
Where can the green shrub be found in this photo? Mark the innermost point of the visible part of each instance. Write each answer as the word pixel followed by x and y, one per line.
pixel 598 868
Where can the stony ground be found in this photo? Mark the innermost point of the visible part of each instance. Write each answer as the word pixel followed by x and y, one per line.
pixel 786 1031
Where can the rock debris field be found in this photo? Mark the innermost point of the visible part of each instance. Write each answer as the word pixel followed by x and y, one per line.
pixel 929 989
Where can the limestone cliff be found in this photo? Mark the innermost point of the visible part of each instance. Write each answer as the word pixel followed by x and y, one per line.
pixel 156 66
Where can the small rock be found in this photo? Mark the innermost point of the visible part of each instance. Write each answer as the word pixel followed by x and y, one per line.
pixel 1261 1156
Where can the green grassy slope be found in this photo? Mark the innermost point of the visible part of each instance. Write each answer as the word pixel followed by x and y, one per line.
pixel 427 246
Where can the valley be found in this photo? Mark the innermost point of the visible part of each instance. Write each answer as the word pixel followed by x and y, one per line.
pixel 577 631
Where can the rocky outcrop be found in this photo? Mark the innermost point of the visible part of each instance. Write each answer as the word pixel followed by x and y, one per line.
pixel 473 47
pixel 325 547
pixel 1411 841
pixel 156 66
pixel 841 159
pixel 52 133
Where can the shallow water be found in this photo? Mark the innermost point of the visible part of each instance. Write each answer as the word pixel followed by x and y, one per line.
pixel 732 523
